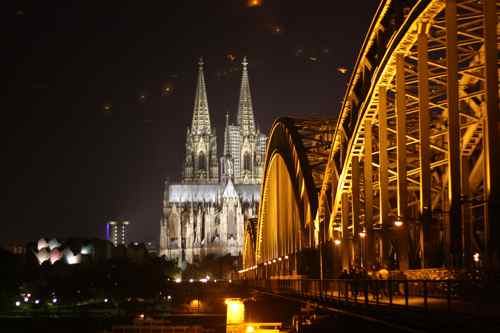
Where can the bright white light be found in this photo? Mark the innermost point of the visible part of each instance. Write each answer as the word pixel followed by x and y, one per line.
pixel 398 223
pixel 26 299
pixel 28 294
pixel 18 303
pixel 279 259
pixel 286 257
pixel 476 257
pixel 215 281
pixel 178 280
pixel 191 280
pixel 207 277
pixel 54 300
pixel 336 242
pixel 105 300
pixel 204 280
pixel 250 329
pixel 169 297
pixel 230 281
pixel 37 301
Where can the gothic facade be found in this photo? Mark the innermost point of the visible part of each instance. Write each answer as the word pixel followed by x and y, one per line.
pixel 205 213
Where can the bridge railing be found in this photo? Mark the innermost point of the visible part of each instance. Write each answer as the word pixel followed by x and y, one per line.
pixel 438 295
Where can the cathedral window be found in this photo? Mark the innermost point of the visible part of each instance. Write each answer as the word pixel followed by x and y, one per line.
pixel 202 162
pixel 247 161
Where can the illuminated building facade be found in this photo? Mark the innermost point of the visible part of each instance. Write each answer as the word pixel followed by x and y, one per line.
pixel 205 213
pixel 116 232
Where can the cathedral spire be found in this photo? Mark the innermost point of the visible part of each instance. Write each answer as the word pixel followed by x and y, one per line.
pixel 226 136
pixel 245 110
pixel 201 115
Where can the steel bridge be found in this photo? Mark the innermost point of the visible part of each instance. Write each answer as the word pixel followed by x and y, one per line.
pixel 407 176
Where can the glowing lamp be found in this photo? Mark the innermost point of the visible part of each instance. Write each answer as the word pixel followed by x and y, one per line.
pixel 398 223
pixel 286 257
pixel 54 300
pixel 250 329
pixel 336 242
pixel 362 234
pixel 18 303
pixel 476 257
pixel 279 259
pixel 37 301
pixel 178 280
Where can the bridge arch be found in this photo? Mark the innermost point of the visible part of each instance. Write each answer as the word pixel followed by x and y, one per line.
pixel 296 153
pixel 414 132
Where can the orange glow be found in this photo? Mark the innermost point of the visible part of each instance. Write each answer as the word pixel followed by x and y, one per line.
pixel 342 70
pixel 254 3
pixel 235 311
pixel 230 57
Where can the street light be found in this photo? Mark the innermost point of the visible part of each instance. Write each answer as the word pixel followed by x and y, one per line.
pixel 398 222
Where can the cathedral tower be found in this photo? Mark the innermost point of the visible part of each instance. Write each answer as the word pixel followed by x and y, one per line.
pixel 244 145
pixel 201 164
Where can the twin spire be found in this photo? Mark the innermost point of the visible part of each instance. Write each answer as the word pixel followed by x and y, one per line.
pixel 201 114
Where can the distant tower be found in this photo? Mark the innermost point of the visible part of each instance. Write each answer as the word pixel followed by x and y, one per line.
pixel 201 164
pixel 116 232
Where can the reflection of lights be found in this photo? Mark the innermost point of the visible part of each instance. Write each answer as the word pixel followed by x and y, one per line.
pixel 18 303
pixel 476 257
pixel 235 311
pixel 250 329
pixel 336 242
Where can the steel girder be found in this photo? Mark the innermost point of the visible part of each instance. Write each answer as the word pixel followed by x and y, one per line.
pixel 414 139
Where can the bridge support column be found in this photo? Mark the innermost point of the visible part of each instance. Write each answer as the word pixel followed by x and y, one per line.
pixel 369 240
pixel 454 249
pixel 425 208
pixel 402 191
pixel 356 243
pixel 491 139
pixel 383 176
pixel 346 241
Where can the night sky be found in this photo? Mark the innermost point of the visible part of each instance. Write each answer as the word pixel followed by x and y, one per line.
pixel 92 131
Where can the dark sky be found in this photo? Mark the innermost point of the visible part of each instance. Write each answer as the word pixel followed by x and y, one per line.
pixel 71 165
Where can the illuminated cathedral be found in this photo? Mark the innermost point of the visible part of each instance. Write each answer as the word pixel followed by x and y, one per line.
pixel 205 213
